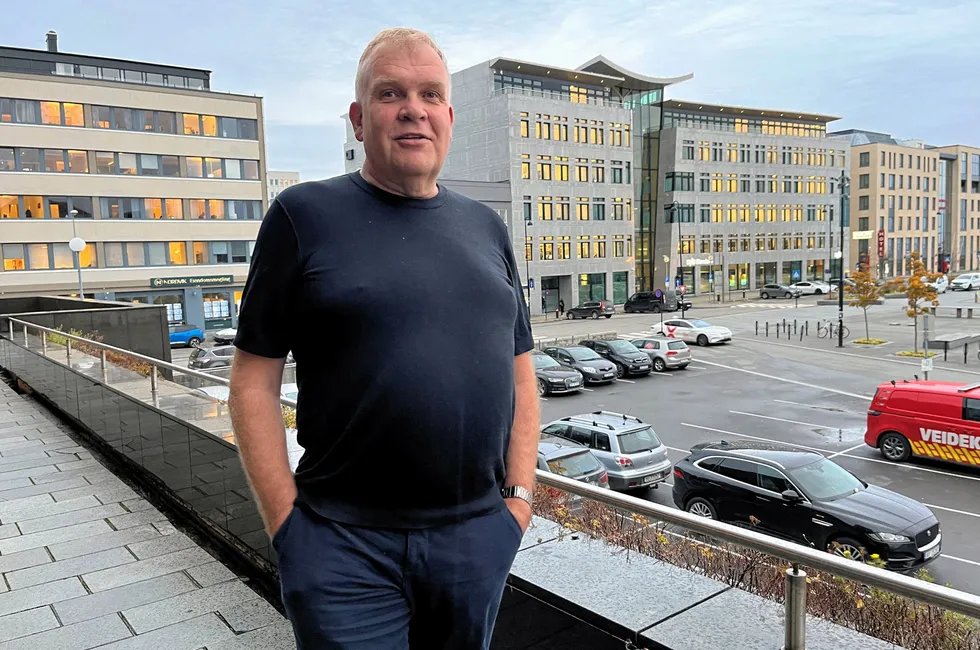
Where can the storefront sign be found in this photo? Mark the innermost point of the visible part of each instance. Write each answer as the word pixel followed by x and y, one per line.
pixel 191 281
pixel 881 243
pixel 862 234
pixel 699 261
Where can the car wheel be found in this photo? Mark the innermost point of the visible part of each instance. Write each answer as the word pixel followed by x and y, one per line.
pixel 789 295
pixel 818 292
pixel 765 296
pixel 659 365
pixel 895 447
pixel 656 309
pixel 194 342
pixel 608 315
pixel 702 340
pixel 620 371
pixel 848 547
pixel 701 508
pixel 628 309
pixel 594 315
pixel 542 388
pixel 569 315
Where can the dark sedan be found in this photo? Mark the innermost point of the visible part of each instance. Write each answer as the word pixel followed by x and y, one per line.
pixel 554 378
pixel 628 359
pixel 594 368
pixel 802 496
pixel 592 309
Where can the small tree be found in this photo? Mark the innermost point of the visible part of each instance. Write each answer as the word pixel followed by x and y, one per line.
pixel 864 294
pixel 919 294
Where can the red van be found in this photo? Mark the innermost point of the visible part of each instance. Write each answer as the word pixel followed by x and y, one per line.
pixel 936 419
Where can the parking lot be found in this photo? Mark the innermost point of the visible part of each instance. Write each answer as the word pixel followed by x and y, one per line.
pixel 816 398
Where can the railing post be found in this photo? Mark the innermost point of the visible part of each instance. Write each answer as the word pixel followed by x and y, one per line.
pixel 44 343
pixel 153 386
pixel 68 352
pixel 795 604
pixel 26 341
pixel 105 369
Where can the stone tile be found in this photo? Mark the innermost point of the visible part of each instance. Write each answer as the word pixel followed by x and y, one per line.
pixel 83 473
pixel 70 518
pixel 120 598
pixel 211 574
pixel 161 546
pixel 23 559
pixel 76 566
pixel 114 539
pixel 165 527
pixel 81 636
pixel 49 510
pixel 77 464
pixel 273 637
pixel 19 463
pixel 43 488
pixel 13 505
pixel 108 492
pixel 137 505
pixel 146 569
pixel 186 606
pixel 10 446
pixel 129 520
pixel 25 623
pixel 15 483
pixel 250 615
pixel 22 542
pixel 196 633
pixel 9 530
pixel 50 592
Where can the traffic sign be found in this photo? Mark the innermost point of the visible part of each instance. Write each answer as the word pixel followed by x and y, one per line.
pixel 682 289
pixel 530 283
pixel 926 364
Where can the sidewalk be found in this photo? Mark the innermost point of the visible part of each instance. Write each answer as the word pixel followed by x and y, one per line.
pixel 86 562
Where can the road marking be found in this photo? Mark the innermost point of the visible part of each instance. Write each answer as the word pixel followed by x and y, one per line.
pixel 626 381
pixel 841 453
pixel 591 390
pixel 769 417
pixel 959 512
pixel 845 455
pixel 959 559
pixel 812 406
pixel 683 451
pixel 788 381
pixel 693 367
pixel 543 399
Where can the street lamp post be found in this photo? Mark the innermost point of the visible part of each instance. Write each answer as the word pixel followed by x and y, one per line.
pixel 527 268
pixel 840 278
pixel 77 245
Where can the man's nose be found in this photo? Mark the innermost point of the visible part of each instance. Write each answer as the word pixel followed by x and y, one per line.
pixel 412 108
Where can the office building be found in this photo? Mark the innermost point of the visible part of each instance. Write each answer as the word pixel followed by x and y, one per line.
pixel 750 196
pixel 278 181
pixel 165 180
pixel 959 206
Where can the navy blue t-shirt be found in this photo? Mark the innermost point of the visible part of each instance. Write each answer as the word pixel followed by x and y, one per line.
pixel 404 316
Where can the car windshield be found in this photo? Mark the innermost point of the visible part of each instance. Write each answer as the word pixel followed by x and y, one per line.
pixel 677 345
pixel 824 480
pixel 699 323
pixel 634 442
pixel 583 354
pixel 578 464
pixel 623 347
pixel 544 362
pixel 196 353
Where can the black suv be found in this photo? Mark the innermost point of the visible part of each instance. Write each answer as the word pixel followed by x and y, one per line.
pixel 592 309
pixel 802 496
pixel 645 301
pixel 629 359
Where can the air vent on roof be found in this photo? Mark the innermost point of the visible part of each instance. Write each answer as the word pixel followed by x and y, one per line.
pixel 52 39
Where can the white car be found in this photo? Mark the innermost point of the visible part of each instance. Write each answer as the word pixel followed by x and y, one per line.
pixel 225 337
pixel 941 284
pixel 693 330
pixel 814 288
pixel 967 281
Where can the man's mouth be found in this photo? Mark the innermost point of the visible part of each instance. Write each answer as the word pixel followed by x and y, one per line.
pixel 412 136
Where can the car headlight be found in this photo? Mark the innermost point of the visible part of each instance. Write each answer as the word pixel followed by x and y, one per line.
pixel 589 369
pixel 556 380
pixel 889 538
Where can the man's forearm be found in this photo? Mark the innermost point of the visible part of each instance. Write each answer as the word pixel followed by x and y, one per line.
pixel 261 437
pixel 522 455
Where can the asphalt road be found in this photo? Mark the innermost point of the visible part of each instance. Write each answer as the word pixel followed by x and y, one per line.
pixel 817 398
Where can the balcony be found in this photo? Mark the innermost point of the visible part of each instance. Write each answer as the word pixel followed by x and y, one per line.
pixel 596 570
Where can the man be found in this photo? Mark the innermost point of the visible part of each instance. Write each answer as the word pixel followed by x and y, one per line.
pixel 417 409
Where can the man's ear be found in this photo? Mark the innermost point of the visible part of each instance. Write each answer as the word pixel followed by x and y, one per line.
pixel 356 115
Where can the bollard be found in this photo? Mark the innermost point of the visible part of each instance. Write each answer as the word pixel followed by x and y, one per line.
pixel 795 604
pixel 105 369
pixel 794 326
pixel 807 325
pixel 68 351
pixel 965 346
pixel 801 335
pixel 757 328
pixel 44 343
pixel 767 329
pixel 777 330
pixel 153 386
pixel 26 341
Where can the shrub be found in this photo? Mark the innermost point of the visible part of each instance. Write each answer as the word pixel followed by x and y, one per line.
pixel 869 341
pixel 914 353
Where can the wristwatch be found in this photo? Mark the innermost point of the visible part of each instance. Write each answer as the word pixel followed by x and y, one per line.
pixel 517 492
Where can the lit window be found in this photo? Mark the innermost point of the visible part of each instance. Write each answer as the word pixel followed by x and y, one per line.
pixel 153 208
pixel 195 167
pixel 74 115
pixel 192 124
pixel 174 209
pixel 177 252
pixel 54 160
pixel 78 162
pixel 210 125
pixel 51 113
pixel 212 167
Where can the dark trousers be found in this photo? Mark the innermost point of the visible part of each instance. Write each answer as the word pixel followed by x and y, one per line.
pixel 351 588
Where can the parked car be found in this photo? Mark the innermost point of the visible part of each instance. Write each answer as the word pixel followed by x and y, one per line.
pixel 965 282
pixel 211 358
pixel 647 301
pixel 220 393
pixel 665 354
pixel 592 309
pixel 225 336
pixel 629 449
pixel 628 360
pixel 811 288
pixel 186 335
pixel 693 330
pixel 848 282
pixel 778 291
pixel 554 378
pixel 594 369
pixel 569 458
pixel 940 284
pixel 802 496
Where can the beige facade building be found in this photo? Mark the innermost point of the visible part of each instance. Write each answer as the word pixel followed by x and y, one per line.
pixel 278 181
pixel 163 179
pixel 960 198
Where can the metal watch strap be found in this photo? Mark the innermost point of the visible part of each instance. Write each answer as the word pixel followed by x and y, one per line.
pixel 517 492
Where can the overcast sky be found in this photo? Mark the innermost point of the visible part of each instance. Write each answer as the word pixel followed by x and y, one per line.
pixel 905 67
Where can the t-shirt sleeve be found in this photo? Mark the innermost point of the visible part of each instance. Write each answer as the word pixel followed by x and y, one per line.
pixel 268 305
pixel 523 342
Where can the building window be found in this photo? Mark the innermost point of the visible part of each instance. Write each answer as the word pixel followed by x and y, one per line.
pixel 545 208
pixel 598 173
pixel 582 209
pixel 687 150
pixel 863 202
pixel 564 248
pixel 546 249
pixel 864 181
pixel 864 159
pixel 599 247
pixel 562 208
pixel 598 209
pixel 583 247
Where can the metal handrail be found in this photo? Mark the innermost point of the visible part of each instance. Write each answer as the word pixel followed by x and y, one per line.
pixel 154 363
pixel 931 593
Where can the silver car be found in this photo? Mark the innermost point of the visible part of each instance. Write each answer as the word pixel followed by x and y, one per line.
pixel 594 369
pixel 665 354
pixel 630 450
pixel 571 459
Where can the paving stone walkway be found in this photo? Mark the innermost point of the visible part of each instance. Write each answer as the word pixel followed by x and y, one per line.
pixel 85 562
